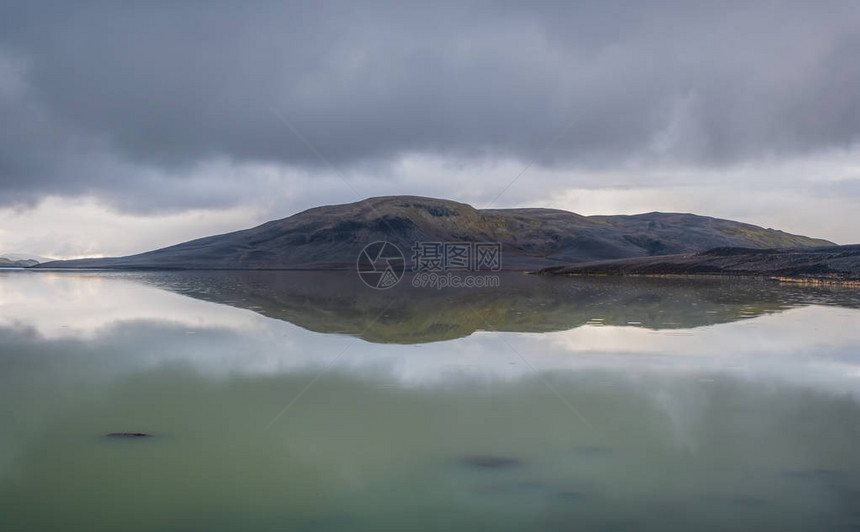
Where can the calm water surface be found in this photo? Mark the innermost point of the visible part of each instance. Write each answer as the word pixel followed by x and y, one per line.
pixel 296 401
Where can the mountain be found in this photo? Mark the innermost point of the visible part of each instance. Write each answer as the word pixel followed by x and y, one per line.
pixel 6 262
pixel 20 260
pixel 24 256
pixel 835 263
pixel 332 237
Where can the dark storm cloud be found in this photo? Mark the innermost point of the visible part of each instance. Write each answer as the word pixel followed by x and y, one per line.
pixel 113 98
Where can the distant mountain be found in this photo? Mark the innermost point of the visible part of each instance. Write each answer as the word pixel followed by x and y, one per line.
pixel 836 263
pixel 332 237
pixel 20 260
pixel 24 256
pixel 10 263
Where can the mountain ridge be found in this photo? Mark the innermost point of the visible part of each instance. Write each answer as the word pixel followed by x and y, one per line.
pixel 20 260
pixel 331 237
pixel 6 262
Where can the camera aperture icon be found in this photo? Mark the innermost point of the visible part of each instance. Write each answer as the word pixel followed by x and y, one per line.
pixel 381 265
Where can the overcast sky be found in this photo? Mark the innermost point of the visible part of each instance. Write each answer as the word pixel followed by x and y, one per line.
pixel 126 126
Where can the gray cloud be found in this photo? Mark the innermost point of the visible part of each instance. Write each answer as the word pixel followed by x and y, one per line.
pixel 126 100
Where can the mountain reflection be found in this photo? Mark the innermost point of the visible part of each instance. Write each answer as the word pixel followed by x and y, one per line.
pixel 337 302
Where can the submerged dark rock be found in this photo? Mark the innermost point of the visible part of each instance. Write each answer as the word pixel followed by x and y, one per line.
pixel 486 461
pixel 592 450
pixel 816 474
pixel 573 495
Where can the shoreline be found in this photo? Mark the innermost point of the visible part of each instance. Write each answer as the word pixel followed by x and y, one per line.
pixel 823 280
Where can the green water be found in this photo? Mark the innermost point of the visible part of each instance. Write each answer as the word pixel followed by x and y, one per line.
pixel 290 401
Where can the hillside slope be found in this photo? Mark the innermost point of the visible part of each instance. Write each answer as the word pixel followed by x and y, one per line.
pixel 838 263
pixel 331 237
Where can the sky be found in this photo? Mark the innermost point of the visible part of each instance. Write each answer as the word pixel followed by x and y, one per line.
pixel 127 126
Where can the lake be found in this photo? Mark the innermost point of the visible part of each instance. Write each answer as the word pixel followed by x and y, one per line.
pixel 308 401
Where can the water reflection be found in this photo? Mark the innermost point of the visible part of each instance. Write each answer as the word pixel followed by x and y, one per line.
pixel 677 412
pixel 336 302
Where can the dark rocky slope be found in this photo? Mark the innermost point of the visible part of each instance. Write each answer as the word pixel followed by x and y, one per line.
pixel 835 263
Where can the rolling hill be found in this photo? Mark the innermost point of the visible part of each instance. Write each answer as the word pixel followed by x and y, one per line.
pixel 332 237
